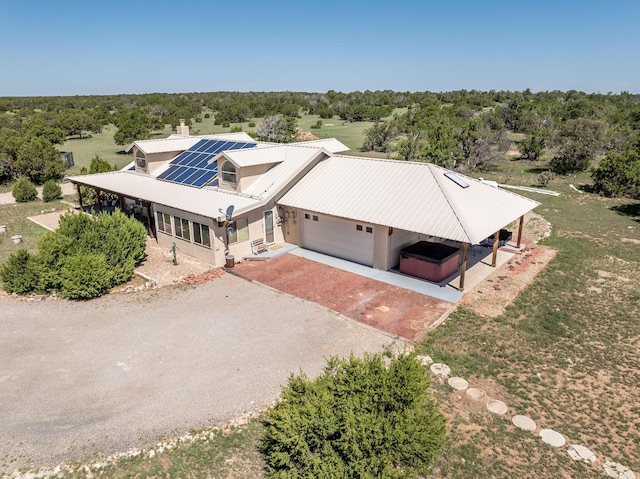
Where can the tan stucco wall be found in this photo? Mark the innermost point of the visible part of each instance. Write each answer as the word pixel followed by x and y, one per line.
pixel 214 255
pixel 291 225
pixel 154 160
pixel 381 247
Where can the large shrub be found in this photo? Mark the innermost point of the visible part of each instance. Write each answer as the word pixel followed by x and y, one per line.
pixel 359 418
pixel 20 273
pixel 85 276
pixel 24 190
pixel 51 191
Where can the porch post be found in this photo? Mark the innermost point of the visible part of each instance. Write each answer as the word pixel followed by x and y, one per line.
pixel 149 219
pixel 80 197
pixel 496 239
pixel 463 265
pixel 99 200
pixel 520 225
pixel 121 202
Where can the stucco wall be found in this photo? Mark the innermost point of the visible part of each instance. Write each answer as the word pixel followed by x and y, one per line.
pixel 214 255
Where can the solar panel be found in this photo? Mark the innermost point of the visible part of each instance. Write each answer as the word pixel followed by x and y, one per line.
pixel 192 167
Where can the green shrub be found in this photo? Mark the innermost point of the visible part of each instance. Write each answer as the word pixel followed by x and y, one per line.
pixel 53 250
pixel 198 119
pixel 20 273
pixel 207 115
pixel 252 124
pixel 359 418
pixel 85 276
pixel 51 191
pixel 24 190
pixel 545 177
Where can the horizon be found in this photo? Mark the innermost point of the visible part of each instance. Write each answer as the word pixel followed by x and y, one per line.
pixel 143 47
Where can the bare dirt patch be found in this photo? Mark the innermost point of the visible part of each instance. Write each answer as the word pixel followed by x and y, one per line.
pixel 492 295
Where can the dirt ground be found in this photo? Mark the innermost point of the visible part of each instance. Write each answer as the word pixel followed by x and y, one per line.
pixel 492 295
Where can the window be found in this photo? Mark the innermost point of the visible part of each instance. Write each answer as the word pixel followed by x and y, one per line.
pixel 164 222
pixel 141 159
pixel 229 172
pixel 369 229
pixel 359 227
pixel 201 235
pixel 238 230
pixel 182 228
pixel 315 218
pixel 307 216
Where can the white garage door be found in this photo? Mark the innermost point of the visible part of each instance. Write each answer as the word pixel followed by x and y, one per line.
pixel 344 239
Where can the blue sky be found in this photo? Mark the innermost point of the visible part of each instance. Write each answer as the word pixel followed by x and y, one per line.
pixel 110 47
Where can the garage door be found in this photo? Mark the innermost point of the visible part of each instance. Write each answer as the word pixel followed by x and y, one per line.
pixel 344 239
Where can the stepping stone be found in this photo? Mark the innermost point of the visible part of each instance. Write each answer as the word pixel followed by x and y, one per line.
pixel 425 360
pixel 552 437
pixel 440 369
pixel 458 383
pixel 524 422
pixel 497 407
pixel 476 394
pixel 581 453
pixel 615 469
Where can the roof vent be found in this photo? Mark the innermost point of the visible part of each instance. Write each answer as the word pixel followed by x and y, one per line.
pixel 457 180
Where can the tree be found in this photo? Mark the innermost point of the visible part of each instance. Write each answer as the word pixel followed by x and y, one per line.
pixel 133 125
pixel 359 418
pixel 618 174
pixel 277 129
pixel 532 146
pixel 20 273
pixel 378 136
pixel 579 142
pixel 39 160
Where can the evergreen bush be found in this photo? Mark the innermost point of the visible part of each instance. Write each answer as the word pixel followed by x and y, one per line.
pixel 51 191
pixel 20 273
pixel 85 276
pixel 360 418
pixel 24 190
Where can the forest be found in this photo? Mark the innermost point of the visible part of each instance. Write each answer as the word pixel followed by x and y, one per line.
pixel 566 132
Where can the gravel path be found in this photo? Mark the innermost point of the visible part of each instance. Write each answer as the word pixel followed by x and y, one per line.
pixel 79 379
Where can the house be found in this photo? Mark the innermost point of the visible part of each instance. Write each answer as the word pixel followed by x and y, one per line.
pixel 220 195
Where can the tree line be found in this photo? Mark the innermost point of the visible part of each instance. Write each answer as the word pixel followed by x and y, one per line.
pixel 459 129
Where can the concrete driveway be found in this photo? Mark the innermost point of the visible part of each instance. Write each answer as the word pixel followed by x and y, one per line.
pixel 79 379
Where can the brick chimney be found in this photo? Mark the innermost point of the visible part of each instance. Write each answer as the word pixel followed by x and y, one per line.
pixel 182 129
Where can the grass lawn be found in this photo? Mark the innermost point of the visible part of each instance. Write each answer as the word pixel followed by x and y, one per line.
pixel 101 144
pixel 14 216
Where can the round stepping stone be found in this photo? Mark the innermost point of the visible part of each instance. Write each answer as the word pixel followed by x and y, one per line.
pixel 581 453
pixel 425 360
pixel 552 437
pixel 497 407
pixel 476 394
pixel 458 383
pixel 615 469
pixel 523 422
pixel 440 369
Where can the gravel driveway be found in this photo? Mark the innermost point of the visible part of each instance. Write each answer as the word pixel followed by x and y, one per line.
pixel 79 379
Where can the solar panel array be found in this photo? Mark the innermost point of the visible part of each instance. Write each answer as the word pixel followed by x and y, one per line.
pixel 192 167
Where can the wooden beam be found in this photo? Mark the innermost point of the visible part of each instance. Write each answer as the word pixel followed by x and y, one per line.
pixel 121 202
pixel 520 225
pixel 496 239
pixel 80 198
pixel 463 265
pixel 99 200
pixel 149 219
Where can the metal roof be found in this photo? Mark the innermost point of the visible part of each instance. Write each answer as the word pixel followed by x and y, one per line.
pixel 330 144
pixel 411 196
pixel 202 201
pixel 182 142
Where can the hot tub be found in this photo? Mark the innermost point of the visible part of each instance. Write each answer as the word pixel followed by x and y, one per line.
pixel 430 261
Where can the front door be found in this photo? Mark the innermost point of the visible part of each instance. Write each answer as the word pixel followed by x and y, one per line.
pixel 268 227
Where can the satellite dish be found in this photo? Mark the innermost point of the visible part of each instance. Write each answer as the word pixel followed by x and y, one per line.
pixel 229 212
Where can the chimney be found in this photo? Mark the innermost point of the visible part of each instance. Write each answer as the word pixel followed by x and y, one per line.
pixel 182 129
